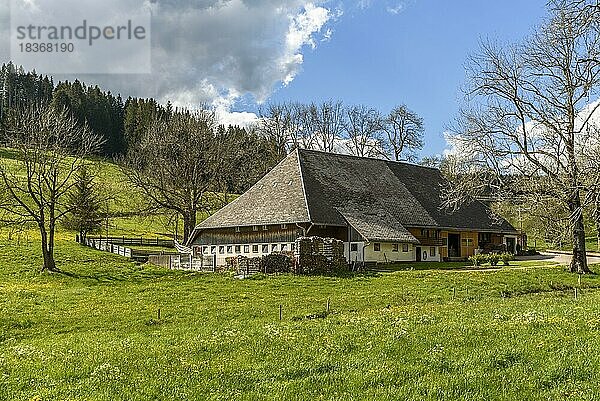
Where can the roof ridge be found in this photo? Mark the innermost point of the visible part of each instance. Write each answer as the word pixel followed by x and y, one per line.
pixel 303 183
pixel 405 163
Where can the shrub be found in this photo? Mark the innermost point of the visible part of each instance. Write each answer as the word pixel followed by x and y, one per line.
pixel 493 258
pixel 506 258
pixel 477 259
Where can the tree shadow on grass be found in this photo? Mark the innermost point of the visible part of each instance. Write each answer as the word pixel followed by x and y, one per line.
pixel 130 272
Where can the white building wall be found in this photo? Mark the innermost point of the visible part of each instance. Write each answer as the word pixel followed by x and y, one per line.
pixel 387 253
pixel 248 250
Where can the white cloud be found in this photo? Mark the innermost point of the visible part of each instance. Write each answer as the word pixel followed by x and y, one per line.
pixel 396 9
pixel 217 51
pixel 300 33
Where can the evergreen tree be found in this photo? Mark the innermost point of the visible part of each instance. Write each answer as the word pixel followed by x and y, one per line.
pixel 85 204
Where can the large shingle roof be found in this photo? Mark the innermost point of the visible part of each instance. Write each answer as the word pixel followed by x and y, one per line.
pixel 378 198
pixel 277 198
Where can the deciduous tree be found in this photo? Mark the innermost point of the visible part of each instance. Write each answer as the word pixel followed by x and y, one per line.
pixel 50 147
pixel 524 127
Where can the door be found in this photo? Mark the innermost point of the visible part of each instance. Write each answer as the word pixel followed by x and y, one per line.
pixel 356 252
pixel 510 245
pixel 454 245
pixel 418 253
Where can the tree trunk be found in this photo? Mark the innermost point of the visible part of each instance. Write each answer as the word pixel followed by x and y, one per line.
pixel 47 253
pixel 579 260
pixel 189 223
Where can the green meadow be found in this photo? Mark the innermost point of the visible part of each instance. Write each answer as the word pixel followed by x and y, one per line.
pixel 94 333
pixel 111 329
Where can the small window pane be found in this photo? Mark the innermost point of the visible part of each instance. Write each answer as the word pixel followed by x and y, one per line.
pixel 432 251
pixel 221 249
pixel 394 247
pixel 404 247
pixel 377 247
pixel 246 248
pixel 274 248
pixel 254 248
pixel 229 249
pixel 265 248
pixel 353 247
pixel 284 247
pixel 213 250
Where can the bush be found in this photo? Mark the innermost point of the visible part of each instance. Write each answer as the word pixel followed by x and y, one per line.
pixel 506 258
pixel 493 258
pixel 477 259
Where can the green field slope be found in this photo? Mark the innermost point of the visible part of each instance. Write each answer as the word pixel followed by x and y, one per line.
pixel 94 334
pixel 428 333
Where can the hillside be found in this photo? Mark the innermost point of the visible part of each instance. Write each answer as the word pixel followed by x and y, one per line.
pixel 129 214
pixel 110 329
pixel 95 333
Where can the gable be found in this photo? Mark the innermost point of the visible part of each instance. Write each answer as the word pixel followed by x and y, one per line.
pixel 277 198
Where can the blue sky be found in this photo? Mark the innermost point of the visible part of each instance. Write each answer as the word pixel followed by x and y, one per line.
pixel 415 57
pixel 234 54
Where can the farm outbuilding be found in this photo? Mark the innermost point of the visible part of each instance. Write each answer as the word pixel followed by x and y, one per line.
pixel 384 211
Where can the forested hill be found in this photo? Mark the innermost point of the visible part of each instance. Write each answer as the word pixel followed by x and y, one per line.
pixel 120 122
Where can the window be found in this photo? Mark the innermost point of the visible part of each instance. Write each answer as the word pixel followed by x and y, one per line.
pixel 221 249
pixel 265 248
pixel 205 250
pixel 432 251
pixel 229 249
pixel 238 249
pixel 485 238
pixel 354 247
pixel 404 247
pixel 274 247
pixel 213 250
pixel 467 241
pixel 246 248
pixel 254 228
pixel 422 232
pixel 265 228
pixel 377 247
pixel 254 248
pixel 237 230
pixel 283 226
pixel 284 247
pixel 292 246
pixel 444 241
pixel 394 247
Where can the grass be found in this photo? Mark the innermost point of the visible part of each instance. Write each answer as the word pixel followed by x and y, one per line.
pixel 94 334
pixel 417 331
pixel 591 245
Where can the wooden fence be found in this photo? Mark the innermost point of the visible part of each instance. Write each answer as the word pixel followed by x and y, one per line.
pixel 117 246
pixel 141 241
pixel 183 261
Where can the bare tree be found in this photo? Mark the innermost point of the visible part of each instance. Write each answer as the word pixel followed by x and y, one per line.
pixel 326 124
pixel 276 123
pixel 363 129
pixel 174 164
pixel 404 130
pixel 522 131
pixel 49 147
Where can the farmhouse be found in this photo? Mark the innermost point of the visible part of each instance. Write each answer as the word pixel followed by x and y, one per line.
pixel 384 211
